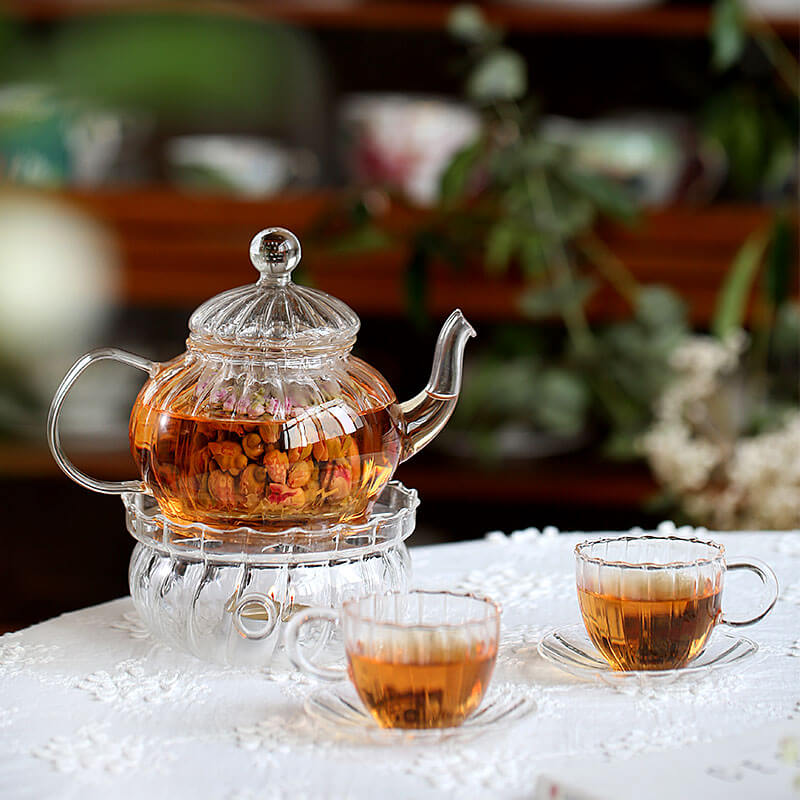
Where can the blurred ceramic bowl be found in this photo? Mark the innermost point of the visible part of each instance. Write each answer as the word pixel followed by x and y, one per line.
pixel 106 146
pixel 241 165
pixel 33 150
pixel 47 141
pixel 652 154
pixel 404 142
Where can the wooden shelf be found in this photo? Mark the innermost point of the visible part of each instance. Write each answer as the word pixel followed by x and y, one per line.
pixel 178 250
pixel 581 479
pixel 661 20
pixel 31 460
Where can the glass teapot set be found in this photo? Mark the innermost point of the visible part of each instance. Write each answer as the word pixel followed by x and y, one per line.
pixel 266 452
pixel 265 502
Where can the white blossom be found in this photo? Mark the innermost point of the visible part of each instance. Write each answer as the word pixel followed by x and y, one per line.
pixel 723 481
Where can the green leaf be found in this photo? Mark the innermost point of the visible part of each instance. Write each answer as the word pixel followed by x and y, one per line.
pixel 467 23
pixel 732 298
pixel 660 307
pixel 500 245
pixel 786 331
pixel 8 34
pixel 728 34
pixel 755 134
pixel 562 401
pixel 536 253
pixel 777 277
pixel 455 179
pixel 500 75
pixel 365 238
pixel 547 302
pixel 610 197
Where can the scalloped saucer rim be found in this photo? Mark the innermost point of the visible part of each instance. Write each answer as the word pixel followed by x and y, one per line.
pixel 574 637
pixel 504 710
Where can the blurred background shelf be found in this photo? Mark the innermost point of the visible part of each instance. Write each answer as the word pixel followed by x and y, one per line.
pixel 107 103
pixel 179 249
pixel 667 21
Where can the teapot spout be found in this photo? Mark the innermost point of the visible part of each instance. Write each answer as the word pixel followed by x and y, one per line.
pixel 427 413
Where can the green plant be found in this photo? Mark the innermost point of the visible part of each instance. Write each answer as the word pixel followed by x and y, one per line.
pixel 757 118
pixel 754 112
pixel 759 293
pixel 517 201
pixel 536 379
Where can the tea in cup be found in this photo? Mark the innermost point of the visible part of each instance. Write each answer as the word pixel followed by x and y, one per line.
pixel 416 659
pixel 651 602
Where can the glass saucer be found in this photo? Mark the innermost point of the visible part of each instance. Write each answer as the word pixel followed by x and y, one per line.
pixel 339 709
pixel 570 649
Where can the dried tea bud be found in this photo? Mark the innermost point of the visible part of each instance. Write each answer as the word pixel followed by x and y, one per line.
pixel 334 449
pixel 282 495
pixel 300 453
pixel 250 501
pixel 270 432
pixel 199 461
pixel 311 491
pixel 277 465
pixel 252 445
pixel 320 450
pixel 229 456
pixel 350 451
pixel 220 487
pixel 340 482
pixel 299 474
pixel 253 480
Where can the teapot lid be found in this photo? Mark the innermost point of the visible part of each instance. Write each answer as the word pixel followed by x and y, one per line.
pixel 274 314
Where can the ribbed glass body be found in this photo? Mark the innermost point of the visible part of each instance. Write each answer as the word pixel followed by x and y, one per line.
pixel 226 595
pixel 422 659
pixel 648 602
pixel 272 443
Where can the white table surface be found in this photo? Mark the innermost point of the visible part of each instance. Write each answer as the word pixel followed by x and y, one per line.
pixel 92 707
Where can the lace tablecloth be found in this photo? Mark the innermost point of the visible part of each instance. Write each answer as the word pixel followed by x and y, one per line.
pixel 92 707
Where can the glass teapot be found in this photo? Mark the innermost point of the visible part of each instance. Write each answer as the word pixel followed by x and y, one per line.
pixel 267 420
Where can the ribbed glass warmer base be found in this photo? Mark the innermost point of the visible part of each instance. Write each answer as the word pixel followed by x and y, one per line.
pixel 225 595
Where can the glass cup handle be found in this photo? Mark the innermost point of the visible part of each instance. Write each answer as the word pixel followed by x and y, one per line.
pixel 768 578
pixel 297 657
pixel 53 418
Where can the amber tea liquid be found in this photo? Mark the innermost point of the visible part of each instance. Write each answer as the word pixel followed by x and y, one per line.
pixel 649 634
pixel 440 691
pixel 228 472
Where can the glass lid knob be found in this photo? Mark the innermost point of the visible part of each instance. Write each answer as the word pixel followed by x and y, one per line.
pixel 275 252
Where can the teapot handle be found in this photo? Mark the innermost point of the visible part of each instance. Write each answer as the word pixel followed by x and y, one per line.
pixel 54 433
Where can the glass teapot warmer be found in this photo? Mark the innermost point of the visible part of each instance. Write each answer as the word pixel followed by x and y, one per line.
pixel 225 595
pixel 265 454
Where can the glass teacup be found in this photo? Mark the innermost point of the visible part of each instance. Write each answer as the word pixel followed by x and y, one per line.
pixel 417 659
pixel 651 602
